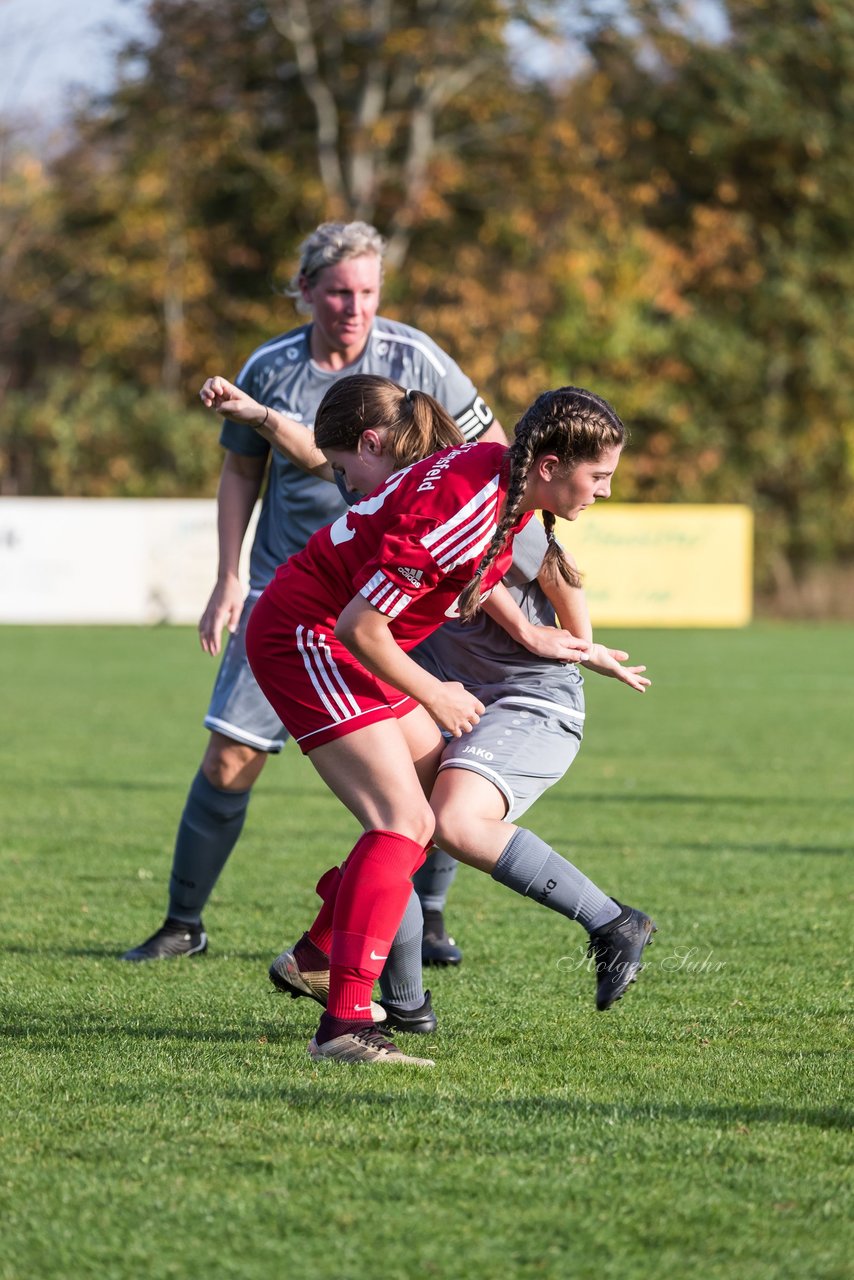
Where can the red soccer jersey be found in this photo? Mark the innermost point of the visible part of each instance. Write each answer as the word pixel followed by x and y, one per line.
pixel 409 548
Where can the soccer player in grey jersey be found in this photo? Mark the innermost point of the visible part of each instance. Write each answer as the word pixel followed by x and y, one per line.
pixel 338 283
pixel 524 743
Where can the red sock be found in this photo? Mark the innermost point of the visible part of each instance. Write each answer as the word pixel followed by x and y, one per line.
pixel 350 992
pixel 327 888
pixel 371 899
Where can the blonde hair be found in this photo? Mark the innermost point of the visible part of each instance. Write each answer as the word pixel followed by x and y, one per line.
pixel 329 244
pixel 415 423
pixel 577 426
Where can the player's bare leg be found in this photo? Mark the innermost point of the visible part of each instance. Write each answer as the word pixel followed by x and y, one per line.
pixel 371 893
pixel 469 824
pixel 303 969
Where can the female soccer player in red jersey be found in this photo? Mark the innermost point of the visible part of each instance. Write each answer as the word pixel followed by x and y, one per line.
pixel 329 639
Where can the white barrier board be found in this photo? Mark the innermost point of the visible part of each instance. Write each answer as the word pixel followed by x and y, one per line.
pixel 91 560
pixel 107 560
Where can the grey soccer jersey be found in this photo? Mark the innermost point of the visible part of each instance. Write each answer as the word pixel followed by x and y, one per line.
pixel 281 374
pixel 531 730
pixel 482 653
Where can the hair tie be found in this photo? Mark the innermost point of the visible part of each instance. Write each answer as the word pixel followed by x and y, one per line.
pixel 408 395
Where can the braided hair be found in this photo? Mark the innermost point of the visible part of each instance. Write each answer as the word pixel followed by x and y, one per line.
pixel 577 426
pixel 415 423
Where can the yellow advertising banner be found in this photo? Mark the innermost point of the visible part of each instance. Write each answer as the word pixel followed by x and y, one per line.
pixel 664 566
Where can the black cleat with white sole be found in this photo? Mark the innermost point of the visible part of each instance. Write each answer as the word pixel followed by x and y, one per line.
pixel 419 1022
pixel 173 938
pixel 364 1042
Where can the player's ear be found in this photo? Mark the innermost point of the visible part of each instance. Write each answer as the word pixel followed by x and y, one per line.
pixel 546 465
pixel 372 441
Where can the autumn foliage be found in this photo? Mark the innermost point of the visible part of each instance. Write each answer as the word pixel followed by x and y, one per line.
pixel 666 219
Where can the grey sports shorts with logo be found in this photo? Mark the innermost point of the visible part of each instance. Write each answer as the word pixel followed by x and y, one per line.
pixel 238 708
pixel 523 744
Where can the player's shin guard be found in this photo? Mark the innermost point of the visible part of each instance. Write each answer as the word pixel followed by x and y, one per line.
pixel 209 829
pixel 401 981
pixel 531 867
pixel 370 903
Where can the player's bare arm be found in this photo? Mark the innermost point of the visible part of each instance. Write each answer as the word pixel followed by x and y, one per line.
pixel 365 632
pixel 494 434
pixel 545 642
pixel 570 606
pixel 568 602
pixel 296 442
pixel 284 434
pixel 239 486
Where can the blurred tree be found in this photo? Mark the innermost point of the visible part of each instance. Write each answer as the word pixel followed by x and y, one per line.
pixel 379 77
pixel 28 228
pixel 668 223
pixel 187 186
pixel 87 435
pixel 739 154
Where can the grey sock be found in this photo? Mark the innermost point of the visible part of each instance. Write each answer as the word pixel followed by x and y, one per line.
pixel 209 829
pixel 434 878
pixel 400 980
pixel 531 867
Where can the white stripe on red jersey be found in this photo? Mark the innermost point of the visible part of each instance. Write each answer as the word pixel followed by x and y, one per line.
pixel 324 675
pixel 408 549
pixel 384 595
pixel 458 538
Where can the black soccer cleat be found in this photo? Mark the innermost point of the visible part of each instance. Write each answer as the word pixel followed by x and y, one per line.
pixel 173 938
pixel 419 1022
pixel 617 949
pixel 437 947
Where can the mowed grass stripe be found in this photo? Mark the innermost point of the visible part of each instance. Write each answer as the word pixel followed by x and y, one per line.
pixel 165 1120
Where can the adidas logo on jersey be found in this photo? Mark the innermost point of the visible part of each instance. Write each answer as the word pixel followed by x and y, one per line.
pixel 412 576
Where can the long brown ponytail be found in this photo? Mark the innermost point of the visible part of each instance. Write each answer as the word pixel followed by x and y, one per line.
pixel 415 423
pixel 577 426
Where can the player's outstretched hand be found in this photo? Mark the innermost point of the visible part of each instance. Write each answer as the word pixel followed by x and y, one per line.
pixel 454 708
pixel 609 662
pixel 223 610
pixel 229 401
pixel 554 642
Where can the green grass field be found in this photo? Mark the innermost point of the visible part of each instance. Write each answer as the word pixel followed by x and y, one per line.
pixel 165 1121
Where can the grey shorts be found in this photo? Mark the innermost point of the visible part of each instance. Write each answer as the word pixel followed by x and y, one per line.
pixel 238 708
pixel 523 745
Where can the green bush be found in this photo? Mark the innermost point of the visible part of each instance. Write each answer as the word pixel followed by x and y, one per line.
pixel 94 437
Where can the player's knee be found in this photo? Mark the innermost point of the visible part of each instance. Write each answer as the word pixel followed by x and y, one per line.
pixel 421 827
pixel 453 827
pixel 415 821
pixel 231 766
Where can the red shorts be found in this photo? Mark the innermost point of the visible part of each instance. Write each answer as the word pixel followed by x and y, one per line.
pixel 317 688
